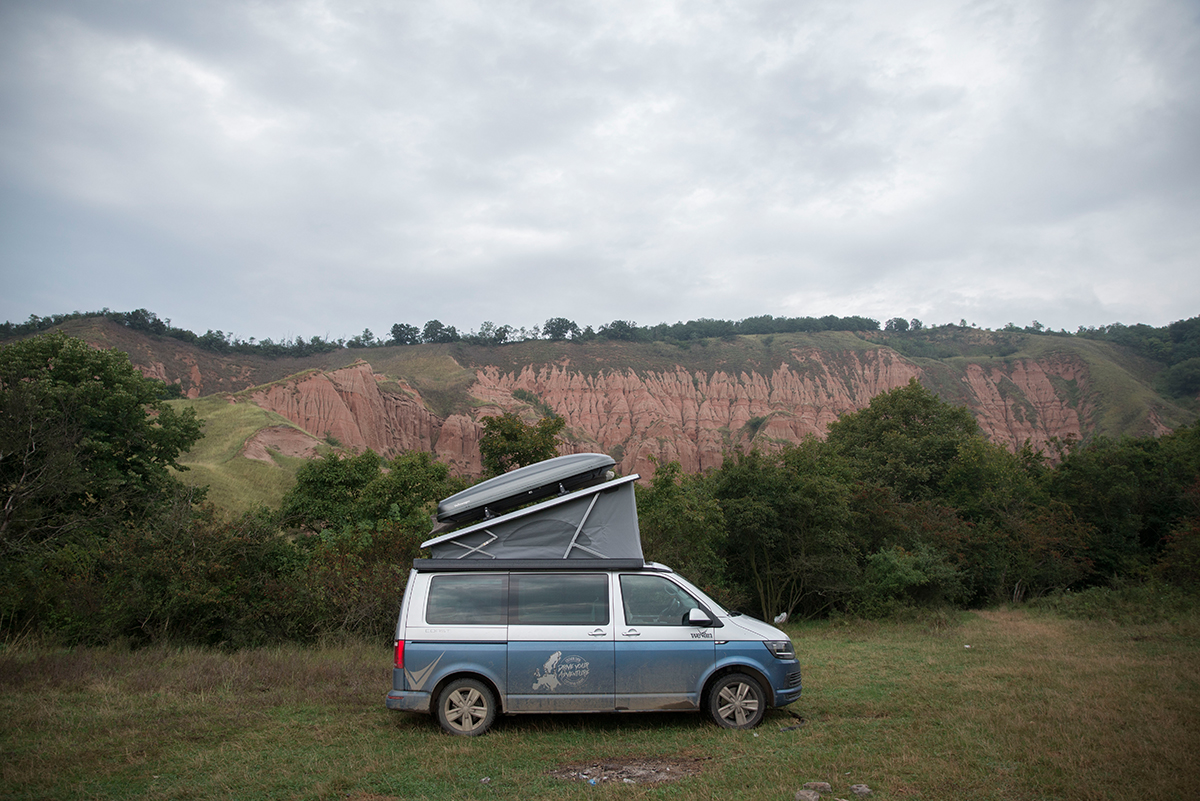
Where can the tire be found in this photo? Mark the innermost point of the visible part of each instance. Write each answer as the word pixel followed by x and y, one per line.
pixel 737 701
pixel 466 708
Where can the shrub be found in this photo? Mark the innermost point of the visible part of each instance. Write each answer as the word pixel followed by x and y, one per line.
pixel 1123 603
pixel 197 578
pixel 896 578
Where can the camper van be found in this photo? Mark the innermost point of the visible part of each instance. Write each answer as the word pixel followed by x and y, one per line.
pixel 550 607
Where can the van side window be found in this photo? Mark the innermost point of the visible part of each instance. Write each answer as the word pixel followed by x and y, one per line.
pixel 563 599
pixel 466 599
pixel 655 601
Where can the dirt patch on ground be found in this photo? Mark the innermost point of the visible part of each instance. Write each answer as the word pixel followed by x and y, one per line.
pixel 284 440
pixel 649 770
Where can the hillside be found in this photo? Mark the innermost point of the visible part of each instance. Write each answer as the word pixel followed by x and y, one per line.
pixel 690 402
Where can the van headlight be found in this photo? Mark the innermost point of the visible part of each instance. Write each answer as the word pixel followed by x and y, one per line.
pixel 781 649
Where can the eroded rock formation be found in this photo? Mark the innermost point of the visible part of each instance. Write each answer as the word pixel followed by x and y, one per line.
pixel 690 417
pixel 355 407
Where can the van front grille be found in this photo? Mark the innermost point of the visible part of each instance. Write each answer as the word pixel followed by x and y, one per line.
pixel 793 679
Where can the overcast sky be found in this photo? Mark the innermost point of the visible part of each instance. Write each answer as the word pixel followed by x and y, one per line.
pixel 274 169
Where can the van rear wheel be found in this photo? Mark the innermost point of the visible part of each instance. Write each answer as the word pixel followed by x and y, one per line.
pixel 466 708
pixel 737 701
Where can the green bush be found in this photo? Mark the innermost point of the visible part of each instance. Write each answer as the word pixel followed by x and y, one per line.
pixel 355 577
pixel 1123 603
pixel 197 578
pixel 896 579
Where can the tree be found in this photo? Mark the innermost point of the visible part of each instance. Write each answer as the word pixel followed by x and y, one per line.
pixel 682 526
pixel 335 492
pixel 39 464
pixel 1183 379
pixel 368 517
pixel 507 442
pixel 364 340
pixel 787 519
pixel 405 334
pixel 194 577
pixel 1131 492
pixel 622 330
pixel 560 328
pixel 85 441
pixel 906 439
pixel 1185 339
pixel 406 490
pixel 328 491
pixel 492 334
pixel 434 331
pixel 897 325
pixel 1019 543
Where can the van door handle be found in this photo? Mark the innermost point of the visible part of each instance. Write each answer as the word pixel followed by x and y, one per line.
pixel 597 633
pixel 631 633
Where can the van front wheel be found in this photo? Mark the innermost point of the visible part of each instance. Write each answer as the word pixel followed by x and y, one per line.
pixel 466 707
pixel 737 701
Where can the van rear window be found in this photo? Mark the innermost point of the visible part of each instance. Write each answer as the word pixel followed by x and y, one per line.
pixel 563 599
pixel 466 599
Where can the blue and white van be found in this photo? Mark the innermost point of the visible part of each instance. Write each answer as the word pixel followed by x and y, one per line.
pixel 551 608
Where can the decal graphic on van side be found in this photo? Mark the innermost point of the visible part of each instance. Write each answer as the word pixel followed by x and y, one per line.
pixel 572 671
pixel 417 680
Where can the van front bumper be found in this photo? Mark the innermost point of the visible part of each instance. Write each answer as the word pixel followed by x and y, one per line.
pixel 790 688
pixel 785 697
pixel 408 701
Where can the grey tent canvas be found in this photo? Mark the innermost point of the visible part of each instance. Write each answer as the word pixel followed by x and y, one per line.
pixel 598 522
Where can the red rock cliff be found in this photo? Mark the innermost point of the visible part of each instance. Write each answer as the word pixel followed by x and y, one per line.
pixel 349 405
pixel 692 418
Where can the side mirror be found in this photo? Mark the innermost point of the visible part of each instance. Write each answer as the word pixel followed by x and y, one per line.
pixel 698 617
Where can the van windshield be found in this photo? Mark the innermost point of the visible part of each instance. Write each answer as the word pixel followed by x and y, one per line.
pixel 713 606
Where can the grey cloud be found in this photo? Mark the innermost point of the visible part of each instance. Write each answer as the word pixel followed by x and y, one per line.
pixel 367 163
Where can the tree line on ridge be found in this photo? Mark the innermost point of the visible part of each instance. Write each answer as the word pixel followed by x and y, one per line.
pixel 1176 345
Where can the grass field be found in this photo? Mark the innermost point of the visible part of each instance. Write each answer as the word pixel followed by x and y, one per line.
pixel 1037 707
pixel 236 484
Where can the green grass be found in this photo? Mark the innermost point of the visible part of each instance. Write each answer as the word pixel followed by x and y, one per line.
pixel 1039 707
pixel 236 484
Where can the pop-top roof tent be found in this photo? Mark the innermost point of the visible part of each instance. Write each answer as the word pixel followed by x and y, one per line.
pixel 597 522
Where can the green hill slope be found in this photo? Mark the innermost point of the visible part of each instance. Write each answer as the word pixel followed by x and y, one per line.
pixel 218 461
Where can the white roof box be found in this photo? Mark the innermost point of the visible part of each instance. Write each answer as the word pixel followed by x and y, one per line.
pixel 524 485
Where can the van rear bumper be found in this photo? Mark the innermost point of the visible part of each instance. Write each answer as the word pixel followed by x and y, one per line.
pixel 408 701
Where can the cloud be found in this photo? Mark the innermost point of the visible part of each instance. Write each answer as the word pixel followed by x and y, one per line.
pixel 315 167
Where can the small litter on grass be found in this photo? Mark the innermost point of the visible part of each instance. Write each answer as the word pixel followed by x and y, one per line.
pixel 799 724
